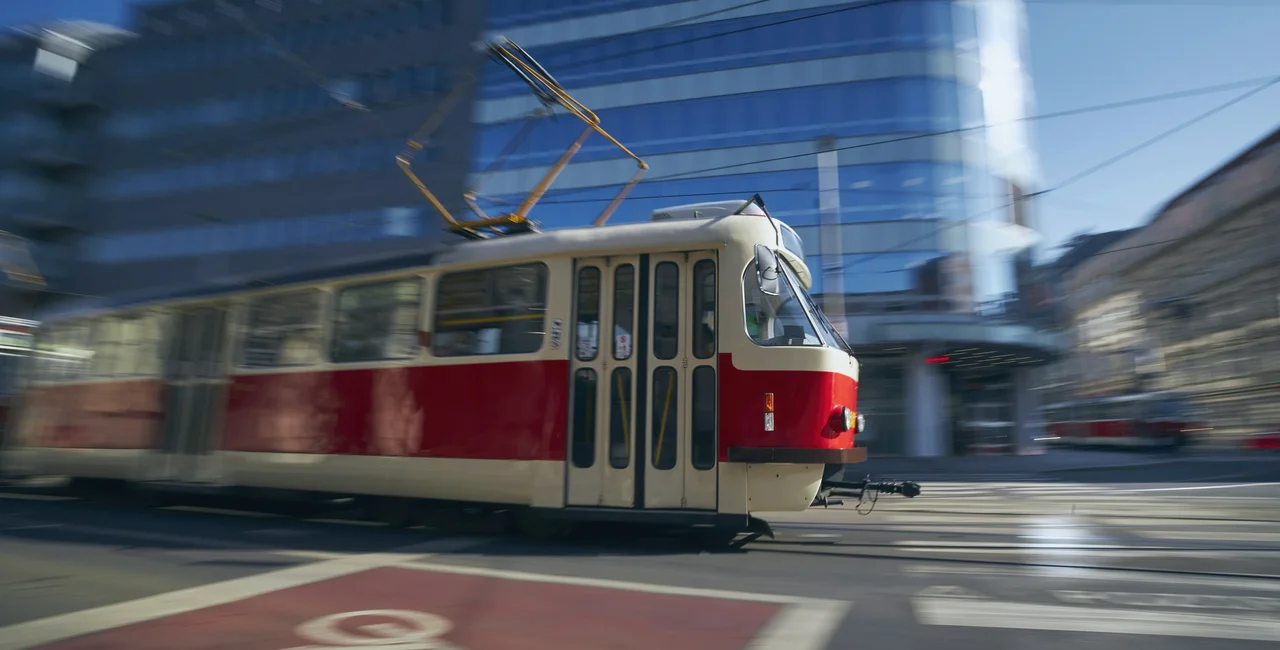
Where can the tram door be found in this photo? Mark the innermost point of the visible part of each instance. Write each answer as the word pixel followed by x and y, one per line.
pixel 195 375
pixel 642 426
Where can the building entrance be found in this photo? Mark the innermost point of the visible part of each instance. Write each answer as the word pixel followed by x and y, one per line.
pixel 982 413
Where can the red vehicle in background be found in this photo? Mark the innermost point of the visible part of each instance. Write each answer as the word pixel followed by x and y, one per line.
pixel 1154 419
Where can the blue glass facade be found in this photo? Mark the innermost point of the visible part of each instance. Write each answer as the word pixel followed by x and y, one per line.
pixel 703 110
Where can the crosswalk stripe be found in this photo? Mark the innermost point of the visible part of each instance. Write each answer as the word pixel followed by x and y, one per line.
pixel 1213 535
pixel 970 612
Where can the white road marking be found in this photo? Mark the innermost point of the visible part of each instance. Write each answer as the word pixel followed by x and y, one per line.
pixel 1051 551
pixel 1261 583
pixel 311 555
pixel 1142 522
pixel 1198 487
pixel 967 612
pixel 1212 535
pixel 802 626
pixel 803 623
pixel 1167 600
pixel 821 535
pixel 64 626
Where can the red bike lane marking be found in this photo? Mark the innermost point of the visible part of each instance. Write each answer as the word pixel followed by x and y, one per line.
pixel 411 609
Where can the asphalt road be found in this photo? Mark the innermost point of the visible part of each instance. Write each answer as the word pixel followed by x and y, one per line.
pixel 1015 564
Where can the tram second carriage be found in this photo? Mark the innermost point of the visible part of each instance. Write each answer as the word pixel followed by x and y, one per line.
pixel 644 368
pixel 1153 419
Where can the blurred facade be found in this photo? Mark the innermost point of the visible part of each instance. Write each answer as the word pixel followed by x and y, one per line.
pixel 1050 307
pixel 51 118
pixel 1190 301
pixel 915 241
pixel 248 136
pixel 50 139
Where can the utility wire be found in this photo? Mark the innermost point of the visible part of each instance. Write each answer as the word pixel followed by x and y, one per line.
pixel 1165 134
pixel 1253 84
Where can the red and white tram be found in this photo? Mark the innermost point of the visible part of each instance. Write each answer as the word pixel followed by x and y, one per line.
pixel 1155 419
pixel 647 368
pixel 676 370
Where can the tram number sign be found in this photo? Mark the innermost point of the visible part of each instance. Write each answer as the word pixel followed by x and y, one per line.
pixel 399 630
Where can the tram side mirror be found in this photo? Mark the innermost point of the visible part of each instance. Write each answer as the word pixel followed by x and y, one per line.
pixel 767 270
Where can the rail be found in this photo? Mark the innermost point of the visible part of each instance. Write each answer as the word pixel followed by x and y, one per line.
pixel 551 94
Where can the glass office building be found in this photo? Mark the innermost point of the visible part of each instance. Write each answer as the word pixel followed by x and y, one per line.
pixel 887 134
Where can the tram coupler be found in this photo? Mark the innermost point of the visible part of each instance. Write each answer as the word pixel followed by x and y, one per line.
pixel 830 491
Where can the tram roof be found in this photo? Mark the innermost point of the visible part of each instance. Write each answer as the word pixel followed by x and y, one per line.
pixel 571 242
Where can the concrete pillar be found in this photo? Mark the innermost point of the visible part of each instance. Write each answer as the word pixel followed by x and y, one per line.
pixel 1026 404
pixel 927 408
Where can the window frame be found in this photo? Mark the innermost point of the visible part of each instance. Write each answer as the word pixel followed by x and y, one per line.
pixel 336 311
pixel 543 292
pixel 324 324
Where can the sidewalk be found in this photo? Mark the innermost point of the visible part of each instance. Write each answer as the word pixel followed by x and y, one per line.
pixel 1051 461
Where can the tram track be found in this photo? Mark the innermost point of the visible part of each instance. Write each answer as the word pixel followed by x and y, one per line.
pixel 781 548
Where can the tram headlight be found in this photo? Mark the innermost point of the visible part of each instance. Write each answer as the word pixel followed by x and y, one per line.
pixel 843 419
pixel 861 423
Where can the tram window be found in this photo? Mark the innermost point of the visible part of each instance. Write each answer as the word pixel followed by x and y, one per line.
pixel 624 311
pixel 666 310
pixel 665 399
pixel 106 335
pixel 491 311
pixel 620 419
pixel 68 353
pixel 136 349
pixel 702 442
pixel 588 329
pixel 283 330
pixel 375 322
pixel 704 309
pixel 583 450
pixel 776 320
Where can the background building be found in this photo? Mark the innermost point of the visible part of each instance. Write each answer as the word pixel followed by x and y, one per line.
pixel 248 136
pixel 831 111
pixel 1049 306
pixel 1191 301
pixel 50 153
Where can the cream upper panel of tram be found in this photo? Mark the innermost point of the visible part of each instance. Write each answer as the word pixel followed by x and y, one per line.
pixel 733 238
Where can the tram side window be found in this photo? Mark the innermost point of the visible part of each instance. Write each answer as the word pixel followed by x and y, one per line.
pixel 65 353
pixel 283 330
pixel 129 346
pixel 588 329
pixel 377 322
pixel 776 320
pixel 704 309
pixel 491 311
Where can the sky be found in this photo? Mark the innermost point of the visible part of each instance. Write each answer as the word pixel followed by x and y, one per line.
pixel 1083 53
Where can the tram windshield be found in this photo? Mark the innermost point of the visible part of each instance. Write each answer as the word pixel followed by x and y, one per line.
pixel 789 318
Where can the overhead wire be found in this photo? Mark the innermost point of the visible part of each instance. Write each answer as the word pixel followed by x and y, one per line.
pixel 1255 84
pixel 863 5
pixel 1128 152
